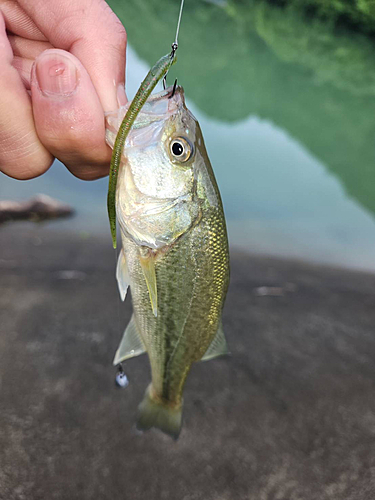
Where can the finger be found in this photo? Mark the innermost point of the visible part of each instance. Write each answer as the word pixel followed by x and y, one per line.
pixel 23 66
pixel 25 51
pixel 30 49
pixel 18 21
pixel 90 30
pixel 68 115
pixel 21 153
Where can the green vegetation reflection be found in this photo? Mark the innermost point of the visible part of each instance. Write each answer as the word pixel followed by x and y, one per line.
pixel 307 66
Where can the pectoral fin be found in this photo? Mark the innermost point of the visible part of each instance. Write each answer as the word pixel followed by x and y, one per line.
pixel 148 268
pixel 218 346
pixel 122 275
pixel 131 344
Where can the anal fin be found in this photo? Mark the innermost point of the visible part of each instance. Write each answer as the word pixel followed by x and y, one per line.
pixel 131 344
pixel 148 268
pixel 218 346
pixel 122 275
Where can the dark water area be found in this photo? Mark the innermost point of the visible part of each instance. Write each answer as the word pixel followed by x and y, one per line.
pixel 285 95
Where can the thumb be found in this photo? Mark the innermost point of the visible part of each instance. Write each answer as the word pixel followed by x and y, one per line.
pixel 68 115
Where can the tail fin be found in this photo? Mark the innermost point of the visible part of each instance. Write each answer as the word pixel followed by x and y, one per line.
pixel 157 414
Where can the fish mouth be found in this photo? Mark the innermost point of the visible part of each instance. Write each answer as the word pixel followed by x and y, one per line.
pixel 156 109
pixel 165 102
pixel 177 95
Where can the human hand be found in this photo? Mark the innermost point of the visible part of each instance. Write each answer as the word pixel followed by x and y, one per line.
pixel 69 56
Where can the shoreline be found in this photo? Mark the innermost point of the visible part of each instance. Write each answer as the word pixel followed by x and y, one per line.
pixel 22 234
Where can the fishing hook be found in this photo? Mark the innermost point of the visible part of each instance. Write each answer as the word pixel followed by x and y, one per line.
pixel 173 90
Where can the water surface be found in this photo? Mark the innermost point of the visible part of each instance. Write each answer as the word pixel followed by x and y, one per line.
pixel 287 108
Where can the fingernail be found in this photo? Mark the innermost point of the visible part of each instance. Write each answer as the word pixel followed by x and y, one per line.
pixel 56 74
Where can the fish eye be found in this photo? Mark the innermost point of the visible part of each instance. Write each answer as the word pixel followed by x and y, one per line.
pixel 181 149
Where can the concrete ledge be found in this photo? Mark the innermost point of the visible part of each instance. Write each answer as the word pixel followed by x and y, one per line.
pixel 289 415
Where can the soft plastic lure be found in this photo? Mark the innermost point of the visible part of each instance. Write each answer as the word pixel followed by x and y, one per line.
pixel 156 73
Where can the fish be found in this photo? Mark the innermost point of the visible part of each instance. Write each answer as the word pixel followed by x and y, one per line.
pixel 175 254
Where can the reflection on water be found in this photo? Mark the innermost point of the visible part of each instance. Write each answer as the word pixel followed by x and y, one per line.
pixel 287 108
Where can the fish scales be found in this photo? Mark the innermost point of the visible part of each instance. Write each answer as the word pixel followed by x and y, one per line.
pixel 191 278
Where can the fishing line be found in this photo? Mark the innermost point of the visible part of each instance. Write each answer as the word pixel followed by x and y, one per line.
pixel 174 48
pixel 179 22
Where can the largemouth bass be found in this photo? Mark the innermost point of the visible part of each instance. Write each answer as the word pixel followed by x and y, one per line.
pixel 174 251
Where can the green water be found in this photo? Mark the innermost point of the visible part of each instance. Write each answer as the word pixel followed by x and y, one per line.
pixel 285 96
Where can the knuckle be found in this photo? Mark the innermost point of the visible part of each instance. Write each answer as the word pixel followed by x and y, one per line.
pixel 121 36
pixel 115 41
pixel 114 36
pixel 115 27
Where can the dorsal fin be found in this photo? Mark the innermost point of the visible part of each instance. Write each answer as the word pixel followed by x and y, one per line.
pixel 218 346
pixel 148 268
pixel 131 344
pixel 122 275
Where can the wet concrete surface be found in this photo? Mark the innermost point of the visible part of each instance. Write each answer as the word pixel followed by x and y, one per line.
pixel 289 415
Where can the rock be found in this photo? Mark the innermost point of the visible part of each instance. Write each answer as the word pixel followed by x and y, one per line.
pixel 39 208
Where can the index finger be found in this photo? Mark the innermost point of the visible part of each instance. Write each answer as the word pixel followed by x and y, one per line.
pixel 91 31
